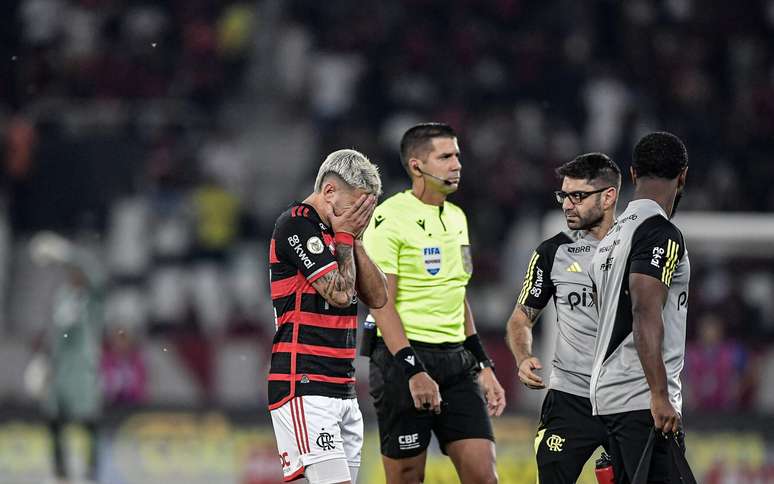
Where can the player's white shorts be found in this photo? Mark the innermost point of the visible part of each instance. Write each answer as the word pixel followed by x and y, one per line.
pixel 312 429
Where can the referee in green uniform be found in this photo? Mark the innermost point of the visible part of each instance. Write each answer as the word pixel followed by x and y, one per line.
pixel 429 372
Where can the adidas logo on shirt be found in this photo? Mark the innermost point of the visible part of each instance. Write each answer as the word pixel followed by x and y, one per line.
pixel 574 267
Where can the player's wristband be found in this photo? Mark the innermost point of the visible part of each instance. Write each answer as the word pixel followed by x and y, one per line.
pixel 473 344
pixel 409 361
pixel 344 238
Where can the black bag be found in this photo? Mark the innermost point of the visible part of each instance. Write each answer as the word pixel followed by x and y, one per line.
pixel 680 468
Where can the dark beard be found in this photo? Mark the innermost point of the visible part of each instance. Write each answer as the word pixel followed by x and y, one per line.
pixel 594 219
pixel 678 196
pixel 590 224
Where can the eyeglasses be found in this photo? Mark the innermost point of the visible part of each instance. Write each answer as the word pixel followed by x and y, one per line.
pixel 576 197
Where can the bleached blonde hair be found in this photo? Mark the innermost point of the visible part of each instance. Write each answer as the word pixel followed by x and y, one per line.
pixel 353 168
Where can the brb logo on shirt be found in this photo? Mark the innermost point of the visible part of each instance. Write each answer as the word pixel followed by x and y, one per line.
pixel 432 258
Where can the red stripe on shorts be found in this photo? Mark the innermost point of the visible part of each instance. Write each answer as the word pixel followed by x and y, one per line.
pixel 295 425
pixel 303 419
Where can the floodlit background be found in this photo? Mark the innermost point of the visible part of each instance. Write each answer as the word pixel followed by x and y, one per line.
pixel 165 137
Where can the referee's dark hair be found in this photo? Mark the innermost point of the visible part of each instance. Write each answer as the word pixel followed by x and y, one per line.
pixel 416 142
pixel 597 168
pixel 659 155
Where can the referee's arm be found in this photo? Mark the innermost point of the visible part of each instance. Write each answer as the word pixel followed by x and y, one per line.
pixel 424 390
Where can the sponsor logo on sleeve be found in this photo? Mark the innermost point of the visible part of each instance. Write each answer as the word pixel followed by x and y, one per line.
pixel 297 247
pixel 537 289
pixel 658 253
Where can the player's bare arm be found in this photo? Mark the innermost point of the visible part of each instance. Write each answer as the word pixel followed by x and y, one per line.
pixel 338 286
pixel 531 313
pixel 371 283
pixel 493 391
pixel 648 298
pixel 423 388
pixel 519 338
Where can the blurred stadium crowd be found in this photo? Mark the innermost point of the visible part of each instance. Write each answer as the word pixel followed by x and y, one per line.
pixel 165 137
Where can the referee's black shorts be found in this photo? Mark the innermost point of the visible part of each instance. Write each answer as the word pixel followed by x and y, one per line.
pixel 405 431
pixel 629 433
pixel 567 437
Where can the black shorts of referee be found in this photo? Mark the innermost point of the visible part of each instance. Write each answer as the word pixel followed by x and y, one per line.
pixel 567 437
pixel 628 433
pixel 405 431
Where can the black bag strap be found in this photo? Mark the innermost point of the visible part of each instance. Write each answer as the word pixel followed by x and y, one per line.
pixel 643 467
pixel 680 463
pixel 680 467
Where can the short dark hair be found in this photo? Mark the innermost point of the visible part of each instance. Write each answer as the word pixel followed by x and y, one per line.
pixel 416 142
pixel 595 167
pixel 659 155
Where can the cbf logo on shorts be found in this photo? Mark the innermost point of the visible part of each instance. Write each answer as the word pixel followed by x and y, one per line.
pixel 432 257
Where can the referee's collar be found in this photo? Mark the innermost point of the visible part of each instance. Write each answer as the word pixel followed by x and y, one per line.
pixel 426 206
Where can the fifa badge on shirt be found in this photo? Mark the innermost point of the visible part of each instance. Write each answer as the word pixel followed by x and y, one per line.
pixel 432 258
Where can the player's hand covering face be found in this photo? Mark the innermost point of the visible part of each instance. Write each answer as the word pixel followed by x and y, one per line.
pixel 350 211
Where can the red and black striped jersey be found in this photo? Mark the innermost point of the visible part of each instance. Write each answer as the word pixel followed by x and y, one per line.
pixel 314 343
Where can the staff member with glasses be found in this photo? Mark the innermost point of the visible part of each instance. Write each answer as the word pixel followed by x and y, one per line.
pixel 568 433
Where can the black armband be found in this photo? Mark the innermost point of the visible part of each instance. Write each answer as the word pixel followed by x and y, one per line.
pixel 473 344
pixel 409 361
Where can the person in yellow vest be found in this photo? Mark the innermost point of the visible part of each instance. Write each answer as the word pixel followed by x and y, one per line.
pixel 429 372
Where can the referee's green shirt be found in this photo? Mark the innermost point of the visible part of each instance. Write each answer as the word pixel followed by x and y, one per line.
pixel 427 247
